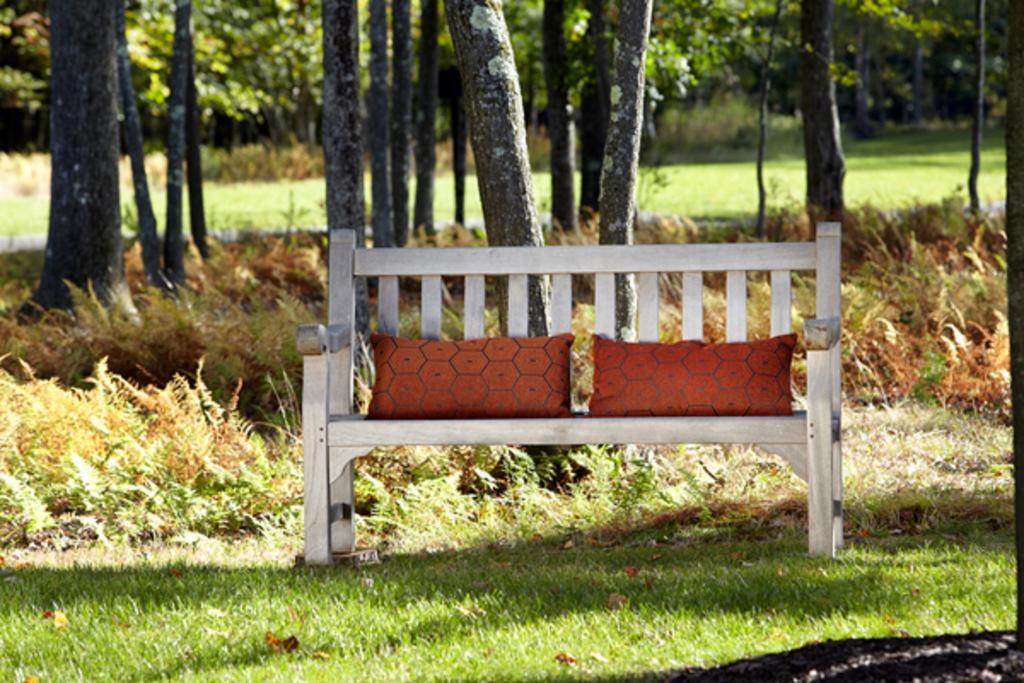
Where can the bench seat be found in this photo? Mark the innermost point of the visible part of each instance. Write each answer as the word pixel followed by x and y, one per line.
pixel 356 430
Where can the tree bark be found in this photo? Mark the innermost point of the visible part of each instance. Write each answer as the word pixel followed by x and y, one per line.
pixel 497 132
pixel 862 59
pixel 459 135
pixel 426 113
pixel 594 108
pixel 917 83
pixel 342 132
pixel 378 132
pixel 83 243
pixel 148 238
pixel 823 148
pixel 622 151
pixel 979 104
pixel 762 117
pixel 560 128
pixel 174 244
pixel 401 118
pixel 194 164
pixel 1015 274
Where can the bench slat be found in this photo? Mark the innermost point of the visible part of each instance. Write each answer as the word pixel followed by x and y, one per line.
pixel 782 303
pixel 430 307
pixel 693 306
pixel 634 258
pixel 647 304
pixel 736 306
pixel 474 307
pixel 604 305
pixel 387 305
pixel 355 430
pixel 561 303
pixel 518 306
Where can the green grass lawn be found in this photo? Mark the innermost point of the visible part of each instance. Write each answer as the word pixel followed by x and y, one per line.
pixel 894 170
pixel 503 613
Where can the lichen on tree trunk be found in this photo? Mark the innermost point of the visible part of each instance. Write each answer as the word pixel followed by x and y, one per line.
pixel 622 150
pixel 497 132
pixel 823 148
pixel 174 243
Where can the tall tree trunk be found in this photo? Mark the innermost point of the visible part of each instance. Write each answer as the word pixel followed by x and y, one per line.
pixel 762 117
pixel 378 125
pixel 979 104
pixel 194 163
pixel 622 151
pixel 458 114
pixel 148 238
pixel 174 244
pixel 498 135
pixel 917 83
pixel 823 148
pixel 401 118
pixel 862 59
pixel 1015 274
pixel 342 132
pixel 594 107
pixel 426 113
pixel 560 128
pixel 83 244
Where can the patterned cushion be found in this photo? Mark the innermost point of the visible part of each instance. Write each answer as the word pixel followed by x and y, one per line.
pixel 692 378
pixel 418 379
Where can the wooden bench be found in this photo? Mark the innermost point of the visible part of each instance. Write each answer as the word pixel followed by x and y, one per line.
pixel 333 437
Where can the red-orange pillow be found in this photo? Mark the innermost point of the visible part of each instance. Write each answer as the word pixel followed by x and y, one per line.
pixel 418 379
pixel 692 378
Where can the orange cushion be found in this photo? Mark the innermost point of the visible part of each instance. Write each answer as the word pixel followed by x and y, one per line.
pixel 692 378
pixel 418 379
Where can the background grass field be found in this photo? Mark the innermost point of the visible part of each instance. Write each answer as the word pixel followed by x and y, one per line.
pixel 896 169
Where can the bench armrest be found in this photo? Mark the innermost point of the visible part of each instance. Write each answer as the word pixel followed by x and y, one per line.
pixel 312 340
pixel 821 334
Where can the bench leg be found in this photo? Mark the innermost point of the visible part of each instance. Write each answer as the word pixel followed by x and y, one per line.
pixel 316 497
pixel 343 498
pixel 821 510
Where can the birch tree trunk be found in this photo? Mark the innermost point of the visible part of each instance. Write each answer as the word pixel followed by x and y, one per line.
pixel 496 126
pixel 401 118
pixel 426 114
pixel 560 128
pixel 342 131
pixel 622 151
pixel 979 104
pixel 83 243
pixel 823 149
pixel 594 108
pixel 1015 274
pixel 762 117
pixel 148 239
pixel 194 163
pixel 174 243
pixel 378 125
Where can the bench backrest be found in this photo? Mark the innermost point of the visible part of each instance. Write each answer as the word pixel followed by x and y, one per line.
pixel 562 262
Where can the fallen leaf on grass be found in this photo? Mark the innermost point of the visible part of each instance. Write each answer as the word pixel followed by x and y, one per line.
pixel 31 679
pixel 655 557
pixel 216 613
pixel 320 654
pixel 60 620
pixel 648 584
pixel 175 572
pixel 889 619
pixel 472 611
pixel 286 645
pixel 296 617
pixel 631 571
pixel 565 658
pixel 617 601
pixel 598 657
pixel 568 544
